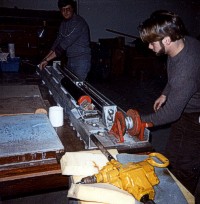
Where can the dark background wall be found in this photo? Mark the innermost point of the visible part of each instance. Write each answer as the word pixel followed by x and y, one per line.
pixel 119 15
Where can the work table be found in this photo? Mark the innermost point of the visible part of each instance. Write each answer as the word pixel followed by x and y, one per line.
pixel 28 161
pixel 25 180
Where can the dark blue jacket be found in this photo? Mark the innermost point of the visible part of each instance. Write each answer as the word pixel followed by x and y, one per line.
pixel 73 37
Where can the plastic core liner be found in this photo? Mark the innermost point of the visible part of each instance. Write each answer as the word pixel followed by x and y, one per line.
pixel 56 116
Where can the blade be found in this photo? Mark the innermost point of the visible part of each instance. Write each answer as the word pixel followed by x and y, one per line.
pixel 101 147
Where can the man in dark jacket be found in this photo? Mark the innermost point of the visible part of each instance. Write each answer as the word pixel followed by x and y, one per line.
pixel 179 103
pixel 73 39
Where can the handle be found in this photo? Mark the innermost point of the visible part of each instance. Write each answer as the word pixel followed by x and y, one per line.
pixel 162 158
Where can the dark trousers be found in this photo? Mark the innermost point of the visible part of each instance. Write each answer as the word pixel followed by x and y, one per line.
pixel 197 193
pixel 80 66
pixel 183 150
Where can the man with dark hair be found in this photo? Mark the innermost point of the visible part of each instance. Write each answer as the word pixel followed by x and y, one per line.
pixel 73 39
pixel 179 102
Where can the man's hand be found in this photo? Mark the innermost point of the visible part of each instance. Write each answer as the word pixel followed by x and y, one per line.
pixel 43 64
pixel 159 102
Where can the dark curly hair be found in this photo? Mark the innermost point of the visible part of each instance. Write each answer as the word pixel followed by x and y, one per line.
pixel 162 23
pixel 63 3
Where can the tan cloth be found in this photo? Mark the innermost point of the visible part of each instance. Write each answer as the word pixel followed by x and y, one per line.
pixel 100 193
pixel 84 163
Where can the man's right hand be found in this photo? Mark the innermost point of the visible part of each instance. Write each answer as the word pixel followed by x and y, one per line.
pixel 159 102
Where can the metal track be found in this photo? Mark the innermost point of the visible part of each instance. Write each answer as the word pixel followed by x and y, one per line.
pixel 65 89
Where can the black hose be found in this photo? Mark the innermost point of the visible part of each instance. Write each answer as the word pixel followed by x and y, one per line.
pixel 145 199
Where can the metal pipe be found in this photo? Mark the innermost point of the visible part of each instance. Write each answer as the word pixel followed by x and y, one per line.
pixel 124 34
